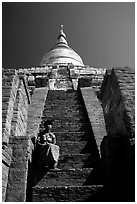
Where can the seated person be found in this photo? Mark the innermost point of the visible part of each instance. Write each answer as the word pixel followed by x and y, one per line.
pixel 47 152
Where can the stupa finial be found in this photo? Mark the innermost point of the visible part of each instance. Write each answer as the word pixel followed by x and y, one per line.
pixel 62 31
pixel 61 27
pixel 62 36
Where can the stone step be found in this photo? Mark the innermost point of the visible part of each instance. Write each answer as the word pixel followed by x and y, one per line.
pixel 69 129
pixel 67 147
pixel 68 120
pixel 74 123
pixel 75 161
pixel 63 93
pixel 63 114
pixel 59 115
pixel 72 136
pixel 57 129
pixel 58 119
pixel 65 102
pixel 70 177
pixel 59 106
pixel 94 193
pixel 63 111
pixel 64 98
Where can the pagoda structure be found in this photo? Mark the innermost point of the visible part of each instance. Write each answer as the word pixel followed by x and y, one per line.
pixel 93 114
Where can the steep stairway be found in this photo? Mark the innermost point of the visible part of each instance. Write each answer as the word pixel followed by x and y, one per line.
pixel 79 175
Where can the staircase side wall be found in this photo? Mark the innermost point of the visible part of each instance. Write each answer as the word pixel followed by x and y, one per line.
pixel 17 179
pixel 15 103
pixel 35 111
pixel 95 114
pixel 117 97
pixel 10 81
pixel 117 149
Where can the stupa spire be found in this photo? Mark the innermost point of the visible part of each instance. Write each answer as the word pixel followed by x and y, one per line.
pixel 62 32
pixel 62 36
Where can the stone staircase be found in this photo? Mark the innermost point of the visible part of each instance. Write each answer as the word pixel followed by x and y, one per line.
pixel 78 178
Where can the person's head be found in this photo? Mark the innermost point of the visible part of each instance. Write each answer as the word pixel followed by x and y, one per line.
pixel 48 124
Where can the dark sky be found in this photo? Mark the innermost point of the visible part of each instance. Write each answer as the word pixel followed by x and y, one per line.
pixel 101 33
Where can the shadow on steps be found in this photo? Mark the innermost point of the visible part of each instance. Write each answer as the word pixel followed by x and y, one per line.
pixel 35 174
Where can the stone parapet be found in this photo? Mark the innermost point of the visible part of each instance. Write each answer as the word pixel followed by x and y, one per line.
pixel 35 111
pixel 87 76
pixel 95 114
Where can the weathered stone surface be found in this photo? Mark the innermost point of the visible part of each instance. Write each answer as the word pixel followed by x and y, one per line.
pixel 70 177
pixel 35 111
pixel 70 146
pixel 15 102
pixel 6 155
pixel 68 194
pixel 17 180
pixel 5 171
pixel 75 161
pixel 95 114
pixel 73 136
pixel 118 95
pixel 8 94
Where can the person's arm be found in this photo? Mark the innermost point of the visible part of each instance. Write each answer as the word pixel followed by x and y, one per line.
pixel 53 138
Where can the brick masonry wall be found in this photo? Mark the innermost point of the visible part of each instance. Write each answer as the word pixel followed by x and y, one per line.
pixel 10 81
pixel 88 76
pixel 6 161
pixel 118 101
pixel 14 111
pixel 17 179
pixel 117 96
pixel 91 77
pixel 19 119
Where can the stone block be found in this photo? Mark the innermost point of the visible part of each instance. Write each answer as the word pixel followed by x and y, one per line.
pixel 68 194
